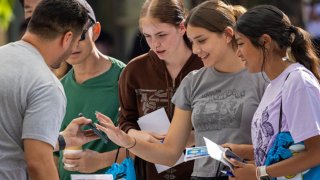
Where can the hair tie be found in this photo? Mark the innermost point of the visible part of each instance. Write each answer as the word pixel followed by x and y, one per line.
pixel 292 29
pixel 292 35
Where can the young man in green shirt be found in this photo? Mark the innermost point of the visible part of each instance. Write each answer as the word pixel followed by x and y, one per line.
pixel 91 85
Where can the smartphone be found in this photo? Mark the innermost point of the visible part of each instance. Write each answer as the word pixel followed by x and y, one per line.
pixel 98 132
pixel 228 154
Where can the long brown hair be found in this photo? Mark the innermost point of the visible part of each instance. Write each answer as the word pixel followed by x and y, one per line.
pixel 215 16
pixel 166 11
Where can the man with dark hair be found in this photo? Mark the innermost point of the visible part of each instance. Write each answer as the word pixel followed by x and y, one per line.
pixel 29 6
pixel 32 100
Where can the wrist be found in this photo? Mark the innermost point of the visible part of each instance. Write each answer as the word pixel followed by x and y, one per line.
pixel 262 174
pixel 133 143
pixel 108 159
pixel 61 142
pixel 132 132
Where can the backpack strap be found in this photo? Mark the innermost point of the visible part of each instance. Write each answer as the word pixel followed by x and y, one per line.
pixel 127 153
pixel 115 160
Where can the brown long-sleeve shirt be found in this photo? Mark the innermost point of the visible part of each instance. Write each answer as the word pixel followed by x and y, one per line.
pixel 145 86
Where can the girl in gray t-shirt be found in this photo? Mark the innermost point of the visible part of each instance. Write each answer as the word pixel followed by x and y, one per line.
pixel 218 101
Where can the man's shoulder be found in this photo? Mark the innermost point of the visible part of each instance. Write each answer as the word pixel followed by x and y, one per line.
pixel 19 49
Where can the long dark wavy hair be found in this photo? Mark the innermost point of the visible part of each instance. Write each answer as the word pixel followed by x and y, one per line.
pixel 267 19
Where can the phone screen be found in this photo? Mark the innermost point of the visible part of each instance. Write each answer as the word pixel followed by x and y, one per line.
pixel 231 155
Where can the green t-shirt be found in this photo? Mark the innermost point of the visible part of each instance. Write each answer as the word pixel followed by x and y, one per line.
pixel 97 94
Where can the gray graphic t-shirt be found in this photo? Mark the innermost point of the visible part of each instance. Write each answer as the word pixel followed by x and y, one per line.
pixel 222 106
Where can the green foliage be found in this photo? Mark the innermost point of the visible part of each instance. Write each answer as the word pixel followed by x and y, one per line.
pixel 6 12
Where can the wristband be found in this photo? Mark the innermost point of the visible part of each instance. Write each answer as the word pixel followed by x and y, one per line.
pixel 257 173
pixel 262 173
pixel 61 142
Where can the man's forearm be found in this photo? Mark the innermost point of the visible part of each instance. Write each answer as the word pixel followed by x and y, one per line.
pixel 56 161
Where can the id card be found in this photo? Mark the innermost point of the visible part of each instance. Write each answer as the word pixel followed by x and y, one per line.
pixel 195 153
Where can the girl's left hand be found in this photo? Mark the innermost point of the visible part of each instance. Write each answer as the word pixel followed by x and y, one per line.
pixel 243 171
pixel 115 134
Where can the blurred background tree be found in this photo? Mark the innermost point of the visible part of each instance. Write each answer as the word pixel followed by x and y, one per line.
pixel 6 12
pixel 119 18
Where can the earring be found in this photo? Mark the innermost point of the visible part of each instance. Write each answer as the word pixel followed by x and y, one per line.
pixel 288 51
pixel 289 56
pixel 285 58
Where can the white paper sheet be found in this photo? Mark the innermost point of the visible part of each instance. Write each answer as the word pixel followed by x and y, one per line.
pixel 91 177
pixel 158 122
pixel 216 152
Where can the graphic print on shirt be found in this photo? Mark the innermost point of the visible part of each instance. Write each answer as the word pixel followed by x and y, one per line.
pixel 264 133
pixel 218 109
pixel 152 99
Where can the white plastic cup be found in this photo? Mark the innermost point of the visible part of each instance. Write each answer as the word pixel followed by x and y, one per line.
pixel 71 150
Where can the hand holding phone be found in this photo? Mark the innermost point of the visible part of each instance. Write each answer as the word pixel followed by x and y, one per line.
pixel 99 133
pixel 228 154
pixel 96 131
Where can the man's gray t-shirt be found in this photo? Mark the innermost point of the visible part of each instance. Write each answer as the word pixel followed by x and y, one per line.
pixel 32 105
pixel 222 106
